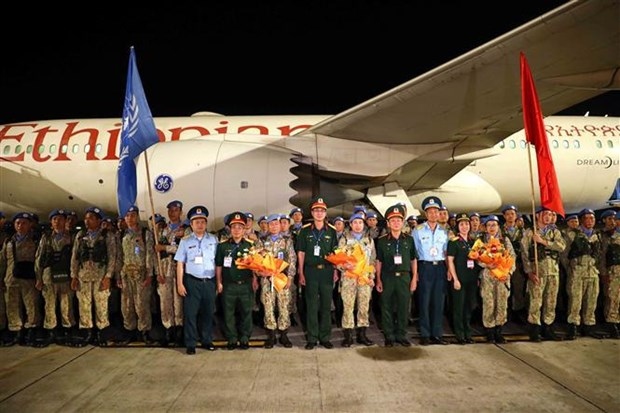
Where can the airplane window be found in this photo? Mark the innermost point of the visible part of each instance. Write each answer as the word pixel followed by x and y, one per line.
pixel 565 144
pixel 6 150
pixel 76 148
pixel 53 148
pixel 41 148
pixel 64 149
pixel 523 144
pixel 502 144
pixel 554 143
pixel 29 149
pixel 599 144
pixel 610 144
pixel 512 144
pixel 87 148
pixel 18 149
pixel 576 144
pixel 98 148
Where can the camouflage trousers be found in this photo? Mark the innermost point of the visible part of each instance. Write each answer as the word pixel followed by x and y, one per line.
pixel 87 293
pixel 354 295
pixel 58 293
pixel 270 297
pixel 170 303
pixel 292 303
pixel 22 291
pixel 612 295
pixel 136 304
pixel 494 296
pixel 3 320
pixel 543 296
pixel 582 296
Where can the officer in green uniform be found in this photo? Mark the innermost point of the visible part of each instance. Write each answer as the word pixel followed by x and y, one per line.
pixel 237 286
pixel 315 241
pixel 395 260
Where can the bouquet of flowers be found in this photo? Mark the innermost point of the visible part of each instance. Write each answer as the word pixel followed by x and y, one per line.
pixel 265 265
pixel 355 256
pixel 493 253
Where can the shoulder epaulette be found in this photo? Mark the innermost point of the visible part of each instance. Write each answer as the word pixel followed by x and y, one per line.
pixel 307 225
pixel 331 226
pixel 419 226
pixel 453 237
pixel 382 236
pixel 187 236
pixel 249 240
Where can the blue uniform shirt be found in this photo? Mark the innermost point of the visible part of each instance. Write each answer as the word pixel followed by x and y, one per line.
pixel 192 250
pixel 430 245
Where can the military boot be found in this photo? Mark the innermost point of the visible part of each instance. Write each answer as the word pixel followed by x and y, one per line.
pixel 179 336
pixel 82 337
pixel 535 333
pixel 29 337
pixel 362 338
pixel 167 337
pixel 13 337
pixel 613 330
pixel 591 332
pixel 284 340
pixel 549 333
pixel 572 332
pixel 499 338
pixel 270 341
pixel 490 335
pixel 348 337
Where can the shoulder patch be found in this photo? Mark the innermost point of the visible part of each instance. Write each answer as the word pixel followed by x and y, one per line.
pixel 331 226
pixel 249 241
pixel 307 225
pixel 382 236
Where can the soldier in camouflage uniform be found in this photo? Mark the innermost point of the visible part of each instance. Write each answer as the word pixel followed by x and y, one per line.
pixel 542 284
pixel 518 294
pixel 17 280
pixel 610 272
pixel 170 302
pixel 583 253
pixel 137 255
pixel 93 262
pixel 494 292
pixel 282 248
pixel 355 294
pixel 474 220
pixel 52 267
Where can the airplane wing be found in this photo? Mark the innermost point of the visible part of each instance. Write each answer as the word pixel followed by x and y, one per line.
pixel 474 101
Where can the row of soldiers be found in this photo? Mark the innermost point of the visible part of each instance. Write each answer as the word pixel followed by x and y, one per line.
pixel 62 263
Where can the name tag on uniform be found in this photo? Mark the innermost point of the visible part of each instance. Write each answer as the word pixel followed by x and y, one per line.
pixel 433 251
pixel 198 259
pixel 228 261
pixel 398 259
pixel 317 250
pixel 470 264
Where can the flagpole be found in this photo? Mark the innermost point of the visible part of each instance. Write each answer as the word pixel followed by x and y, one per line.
pixel 533 198
pixel 155 234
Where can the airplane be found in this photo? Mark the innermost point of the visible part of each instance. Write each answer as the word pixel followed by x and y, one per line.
pixel 455 132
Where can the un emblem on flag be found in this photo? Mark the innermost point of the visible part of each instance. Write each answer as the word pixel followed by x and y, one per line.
pixel 163 183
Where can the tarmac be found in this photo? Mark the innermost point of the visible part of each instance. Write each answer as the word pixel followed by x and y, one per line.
pixel 519 376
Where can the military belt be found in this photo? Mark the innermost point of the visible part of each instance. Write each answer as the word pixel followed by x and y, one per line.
pixel 432 262
pixel 204 280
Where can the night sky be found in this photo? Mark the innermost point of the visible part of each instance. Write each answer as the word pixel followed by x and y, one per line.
pixel 267 58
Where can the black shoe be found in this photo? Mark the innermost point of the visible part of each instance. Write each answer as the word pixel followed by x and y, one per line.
pixel 470 340
pixel 425 341
pixel 190 350
pixel 389 343
pixel 403 342
pixel 310 346
pixel 231 345
pixel 439 340
pixel 244 345
pixel 327 344
pixel 209 346
pixel 460 341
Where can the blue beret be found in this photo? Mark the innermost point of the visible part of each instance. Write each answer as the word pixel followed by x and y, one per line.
pixel 158 218
pixel 109 220
pixel 356 216
pixel 371 214
pixel 508 208
pixel 608 213
pixel 338 218
pixel 197 211
pixel 273 217
pixel 571 216
pixel 249 215
pixel 23 215
pixel 175 203
pixel 72 213
pixel 452 215
pixel 443 208
pixel 186 223
pixel 395 211
pixel 1 214
pixel 262 218
pixel 359 208
pixel 284 216
pixel 57 212
pixel 491 218
pixel 474 214
pixel 586 211
pixel 96 211
pixel 618 215
pixel 133 208
pixel 431 202
pixel 296 209
pixel 412 217
pixel 541 209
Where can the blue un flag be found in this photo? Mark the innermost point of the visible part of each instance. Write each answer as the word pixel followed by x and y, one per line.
pixel 138 133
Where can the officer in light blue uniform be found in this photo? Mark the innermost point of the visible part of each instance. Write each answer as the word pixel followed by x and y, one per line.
pixel 195 259
pixel 431 244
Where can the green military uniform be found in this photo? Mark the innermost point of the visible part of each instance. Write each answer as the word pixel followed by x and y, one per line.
pixel 237 290
pixel 313 245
